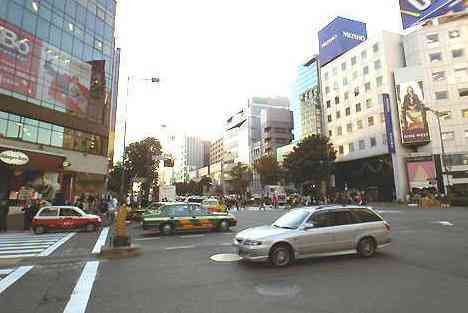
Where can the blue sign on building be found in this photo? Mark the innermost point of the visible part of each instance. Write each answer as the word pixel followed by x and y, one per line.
pixel 388 123
pixel 339 36
pixel 416 11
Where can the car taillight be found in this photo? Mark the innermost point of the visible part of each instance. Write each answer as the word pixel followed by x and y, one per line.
pixel 387 226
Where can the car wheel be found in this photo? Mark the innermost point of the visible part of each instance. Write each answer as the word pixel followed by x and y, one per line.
pixel 281 255
pixel 90 227
pixel 39 229
pixel 166 229
pixel 366 247
pixel 223 226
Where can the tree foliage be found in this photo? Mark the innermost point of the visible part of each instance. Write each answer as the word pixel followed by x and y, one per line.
pixel 240 177
pixel 312 161
pixel 269 170
pixel 141 162
pixel 115 179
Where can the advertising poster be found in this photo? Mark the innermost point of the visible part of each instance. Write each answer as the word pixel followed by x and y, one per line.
pixel 388 123
pixel 413 117
pixel 416 11
pixel 98 97
pixel 65 80
pixel 421 173
pixel 19 60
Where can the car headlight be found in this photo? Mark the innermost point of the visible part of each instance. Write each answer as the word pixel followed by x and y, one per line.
pixel 249 242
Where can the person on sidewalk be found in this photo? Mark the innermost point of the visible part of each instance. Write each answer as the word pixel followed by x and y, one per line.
pixel 4 210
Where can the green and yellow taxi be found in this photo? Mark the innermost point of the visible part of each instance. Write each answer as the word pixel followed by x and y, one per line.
pixel 180 217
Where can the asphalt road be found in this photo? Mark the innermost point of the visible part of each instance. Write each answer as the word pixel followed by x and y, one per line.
pixel 425 270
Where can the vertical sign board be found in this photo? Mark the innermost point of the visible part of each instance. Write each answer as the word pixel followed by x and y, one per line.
pixel 388 123
pixel 417 11
pixel 339 36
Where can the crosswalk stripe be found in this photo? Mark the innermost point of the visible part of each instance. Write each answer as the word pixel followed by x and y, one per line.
pixel 6 271
pixel 28 241
pixel 16 256
pixel 31 236
pixel 22 244
pixel 7 248
pixel 21 251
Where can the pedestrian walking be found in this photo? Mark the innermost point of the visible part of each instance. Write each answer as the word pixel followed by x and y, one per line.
pixel 4 210
pixel 28 215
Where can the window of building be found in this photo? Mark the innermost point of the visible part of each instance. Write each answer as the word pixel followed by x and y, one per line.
pixel 346 95
pixel 328 104
pixel 367 86
pixel 340 149
pixel 335 85
pixel 369 103
pixel 457 53
pixel 330 133
pixel 465 113
pixel 338 114
pixel 379 81
pixel 359 124
pixel 364 54
pixel 441 95
pixel 382 117
pixel 327 90
pixel 365 70
pixel 329 118
pixel 384 139
pixel 348 111
pixel 349 128
pixel 435 57
pixel 355 74
pixel 370 121
pixel 353 60
pixel 325 76
pixel 375 48
pixel 343 66
pixel 463 92
pixel 356 91
pixel 335 71
pixel 358 107
pixel 432 38
pixel 345 81
pixel 461 73
pixel 438 76
pixel 377 65
pixel 446 115
pixel 373 142
pixel 448 136
pixel 362 144
pixel 351 147
pixel 337 100
pixel 453 34
pixel 339 131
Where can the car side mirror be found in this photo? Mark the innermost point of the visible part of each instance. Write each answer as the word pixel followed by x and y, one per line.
pixel 308 226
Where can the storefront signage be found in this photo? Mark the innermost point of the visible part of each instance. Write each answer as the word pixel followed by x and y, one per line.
pixel 14 157
pixel 416 11
pixel 388 123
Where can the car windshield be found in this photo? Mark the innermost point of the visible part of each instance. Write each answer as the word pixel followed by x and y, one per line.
pixel 210 202
pixel 291 219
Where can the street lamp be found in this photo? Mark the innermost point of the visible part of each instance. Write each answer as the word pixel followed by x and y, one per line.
pixel 438 115
pixel 154 79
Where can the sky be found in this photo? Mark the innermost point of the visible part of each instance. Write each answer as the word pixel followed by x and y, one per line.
pixel 212 55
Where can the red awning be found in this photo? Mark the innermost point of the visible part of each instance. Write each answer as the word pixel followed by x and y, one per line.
pixel 38 160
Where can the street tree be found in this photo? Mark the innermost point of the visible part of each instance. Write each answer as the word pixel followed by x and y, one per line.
pixel 142 163
pixel 311 162
pixel 269 170
pixel 240 177
pixel 115 179
pixel 205 183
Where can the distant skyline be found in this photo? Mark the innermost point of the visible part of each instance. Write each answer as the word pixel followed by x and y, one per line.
pixel 211 56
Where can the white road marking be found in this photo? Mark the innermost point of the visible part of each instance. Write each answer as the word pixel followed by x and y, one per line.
pixel 180 247
pixel 13 277
pixel 192 236
pixel 53 247
pixel 445 223
pixel 226 244
pixel 144 239
pixel 6 271
pixel 101 241
pixel 389 211
pixel 26 244
pixel 16 256
pixel 80 295
pixel 21 251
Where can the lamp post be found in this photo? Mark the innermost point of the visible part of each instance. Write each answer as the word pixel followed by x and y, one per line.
pixel 154 79
pixel 443 159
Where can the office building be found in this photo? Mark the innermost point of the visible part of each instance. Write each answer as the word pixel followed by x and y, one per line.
pixel 216 151
pixel 56 110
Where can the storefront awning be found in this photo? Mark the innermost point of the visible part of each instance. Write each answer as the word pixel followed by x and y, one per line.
pixel 37 160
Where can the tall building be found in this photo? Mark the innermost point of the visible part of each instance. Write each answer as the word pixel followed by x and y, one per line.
pixel 217 151
pixel 56 112
pixel 437 72
pixel 192 154
pixel 306 104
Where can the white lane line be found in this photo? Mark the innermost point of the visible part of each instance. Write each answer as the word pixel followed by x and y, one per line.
pixel 226 244
pixel 80 295
pixel 53 247
pixel 180 247
pixel 21 251
pixel 16 256
pixel 144 239
pixel 101 241
pixel 445 223
pixel 13 277
pixel 6 271
pixel 192 236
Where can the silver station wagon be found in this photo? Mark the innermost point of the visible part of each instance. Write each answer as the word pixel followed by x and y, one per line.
pixel 315 231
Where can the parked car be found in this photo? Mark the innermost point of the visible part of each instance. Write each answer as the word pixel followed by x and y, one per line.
pixel 315 231
pixel 178 217
pixel 52 218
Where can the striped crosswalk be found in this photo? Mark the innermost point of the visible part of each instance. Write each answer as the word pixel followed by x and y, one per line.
pixel 22 245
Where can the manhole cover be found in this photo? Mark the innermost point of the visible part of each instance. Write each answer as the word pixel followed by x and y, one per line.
pixel 225 257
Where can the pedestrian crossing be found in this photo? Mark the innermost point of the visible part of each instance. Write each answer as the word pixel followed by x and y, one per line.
pixel 22 245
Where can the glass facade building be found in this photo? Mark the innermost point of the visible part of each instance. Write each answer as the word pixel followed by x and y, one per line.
pixel 306 104
pixel 56 79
